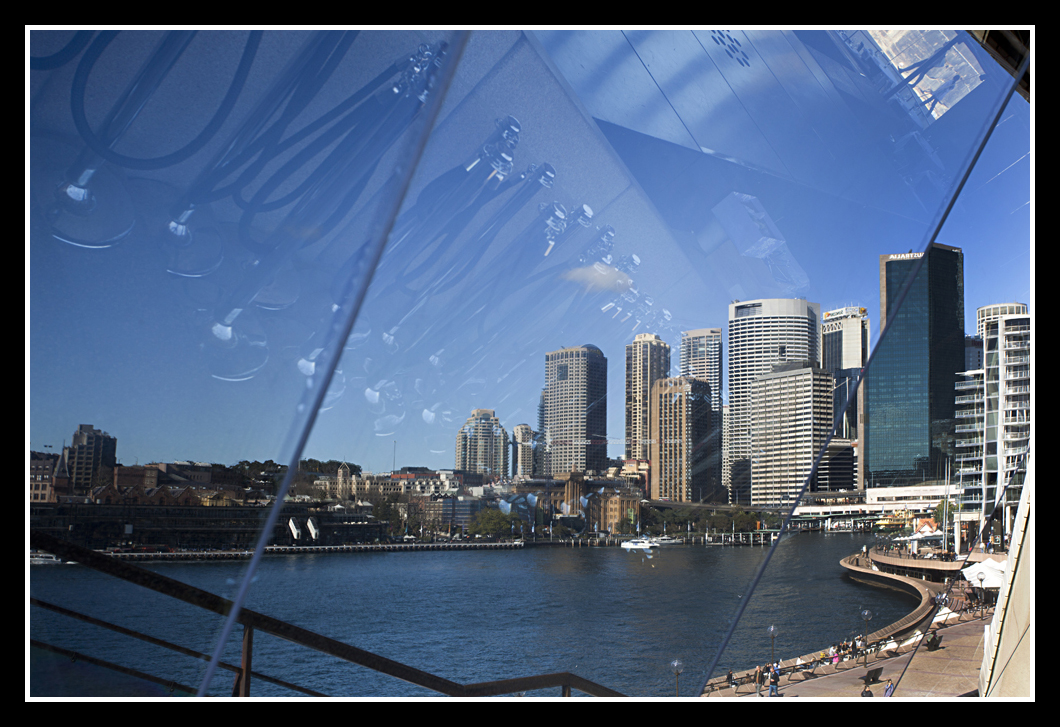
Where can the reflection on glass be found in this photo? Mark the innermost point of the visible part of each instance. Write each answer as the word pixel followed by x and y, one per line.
pixel 579 190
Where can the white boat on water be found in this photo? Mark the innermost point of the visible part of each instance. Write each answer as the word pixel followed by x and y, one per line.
pixel 667 540
pixel 40 558
pixel 639 544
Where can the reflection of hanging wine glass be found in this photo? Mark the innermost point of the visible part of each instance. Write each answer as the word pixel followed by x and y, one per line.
pixel 235 353
pixel 86 204
pixel 90 208
pixel 336 185
pixel 183 221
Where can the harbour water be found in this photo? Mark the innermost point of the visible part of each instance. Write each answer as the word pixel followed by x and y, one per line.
pixel 614 617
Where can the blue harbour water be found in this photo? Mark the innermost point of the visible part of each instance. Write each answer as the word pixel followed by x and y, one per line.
pixel 614 617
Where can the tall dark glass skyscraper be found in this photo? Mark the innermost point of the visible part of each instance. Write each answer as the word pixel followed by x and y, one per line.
pixel 909 395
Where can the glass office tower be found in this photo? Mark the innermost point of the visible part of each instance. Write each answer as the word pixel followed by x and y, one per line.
pixel 909 408
pixel 701 352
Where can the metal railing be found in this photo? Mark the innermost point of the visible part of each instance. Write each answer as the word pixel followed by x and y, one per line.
pixel 253 621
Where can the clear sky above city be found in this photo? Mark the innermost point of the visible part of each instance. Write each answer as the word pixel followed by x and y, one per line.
pixel 716 165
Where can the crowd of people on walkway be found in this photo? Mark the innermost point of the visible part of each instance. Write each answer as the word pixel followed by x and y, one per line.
pixel 904 550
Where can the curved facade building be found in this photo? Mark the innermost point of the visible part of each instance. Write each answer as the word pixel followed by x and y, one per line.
pixel 575 410
pixel 762 334
pixel 482 445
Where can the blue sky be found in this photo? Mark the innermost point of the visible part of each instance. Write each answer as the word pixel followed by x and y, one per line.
pixel 460 315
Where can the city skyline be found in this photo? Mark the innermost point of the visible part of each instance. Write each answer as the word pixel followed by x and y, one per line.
pixel 128 357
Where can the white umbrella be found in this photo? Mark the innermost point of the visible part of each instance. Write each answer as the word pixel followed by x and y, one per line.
pixel 993 573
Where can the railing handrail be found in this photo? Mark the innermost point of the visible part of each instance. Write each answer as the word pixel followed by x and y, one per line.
pixel 295 634
pixel 165 644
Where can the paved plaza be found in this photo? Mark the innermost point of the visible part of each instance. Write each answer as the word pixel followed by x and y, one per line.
pixel 950 671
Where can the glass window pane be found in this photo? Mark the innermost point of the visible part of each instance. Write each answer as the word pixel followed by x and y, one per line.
pixel 771 196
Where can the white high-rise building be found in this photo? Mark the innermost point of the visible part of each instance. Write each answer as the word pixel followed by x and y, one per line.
pixel 994 312
pixel 647 361
pixel 845 339
pixel 482 445
pixel 993 411
pixel 762 334
pixel 791 418
pixel 701 357
pixel 726 438
pixel 522 451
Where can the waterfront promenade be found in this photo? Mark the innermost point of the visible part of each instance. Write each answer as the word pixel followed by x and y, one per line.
pixel 951 670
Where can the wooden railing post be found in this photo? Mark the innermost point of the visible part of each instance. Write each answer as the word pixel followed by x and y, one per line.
pixel 241 688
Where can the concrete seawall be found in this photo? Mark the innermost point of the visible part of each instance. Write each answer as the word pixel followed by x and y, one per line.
pixel 924 590
pixel 858 568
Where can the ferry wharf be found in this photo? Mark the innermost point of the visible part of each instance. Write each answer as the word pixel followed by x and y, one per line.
pixel 307 550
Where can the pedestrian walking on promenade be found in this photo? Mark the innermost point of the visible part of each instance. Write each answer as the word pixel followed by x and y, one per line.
pixel 732 680
pixel 774 682
pixel 889 689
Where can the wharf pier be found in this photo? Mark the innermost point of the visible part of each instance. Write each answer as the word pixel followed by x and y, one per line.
pixel 308 549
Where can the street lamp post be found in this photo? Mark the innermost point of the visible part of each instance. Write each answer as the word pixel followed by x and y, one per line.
pixel 866 615
pixel 982 594
pixel 677 667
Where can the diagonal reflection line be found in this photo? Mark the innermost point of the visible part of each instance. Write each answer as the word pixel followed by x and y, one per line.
pixel 401 184
pixel 1002 171
pixel 941 220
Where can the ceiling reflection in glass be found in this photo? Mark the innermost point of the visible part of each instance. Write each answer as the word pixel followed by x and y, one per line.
pixel 579 187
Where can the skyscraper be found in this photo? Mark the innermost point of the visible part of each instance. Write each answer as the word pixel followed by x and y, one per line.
pixel 91 453
pixel 701 352
pixel 681 420
pixel 523 451
pixel 647 361
pixel 791 418
pixel 994 413
pixel 844 339
pixel 762 333
pixel 482 445
pixel 844 352
pixel 575 410
pixel 909 390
